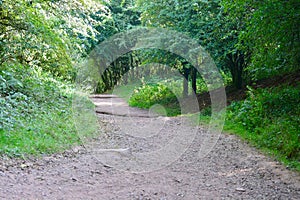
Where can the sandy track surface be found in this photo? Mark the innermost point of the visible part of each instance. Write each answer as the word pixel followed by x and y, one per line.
pixel 232 169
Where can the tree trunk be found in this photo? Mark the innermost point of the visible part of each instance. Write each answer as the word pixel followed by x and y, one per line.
pixel 236 67
pixel 185 91
pixel 131 66
pixel 194 79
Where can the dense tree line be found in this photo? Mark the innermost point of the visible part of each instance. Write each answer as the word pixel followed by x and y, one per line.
pixel 248 39
pixel 251 39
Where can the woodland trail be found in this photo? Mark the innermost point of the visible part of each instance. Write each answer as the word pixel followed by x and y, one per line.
pixel 231 170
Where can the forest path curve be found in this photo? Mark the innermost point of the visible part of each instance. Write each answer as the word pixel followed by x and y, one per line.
pixel 232 170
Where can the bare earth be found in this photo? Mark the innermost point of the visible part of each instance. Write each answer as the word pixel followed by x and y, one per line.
pixel 232 170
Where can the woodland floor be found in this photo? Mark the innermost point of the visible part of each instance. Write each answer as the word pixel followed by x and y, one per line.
pixel 231 170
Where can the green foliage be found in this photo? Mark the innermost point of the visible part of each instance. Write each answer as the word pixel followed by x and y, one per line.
pixel 158 89
pixel 45 34
pixel 270 34
pixel 204 21
pixel 123 17
pixel 39 43
pixel 28 39
pixel 35 112
pixel 271 120
pixel 148 95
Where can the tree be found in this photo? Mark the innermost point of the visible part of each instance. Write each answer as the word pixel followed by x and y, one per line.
pixel 204 21
pixel 271 34
pixel 45 34
pixel 123 17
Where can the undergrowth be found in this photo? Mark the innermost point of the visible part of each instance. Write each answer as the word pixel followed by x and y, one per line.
pixel 35 112
pixel 149 95
pixel 270 119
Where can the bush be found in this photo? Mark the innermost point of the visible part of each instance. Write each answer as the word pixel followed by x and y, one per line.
pixel 35 112
pixel 271 118
pixel 151 94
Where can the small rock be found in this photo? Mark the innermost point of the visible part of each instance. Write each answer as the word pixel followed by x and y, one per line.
pixel 240 189
pixel 23 166
pixel 3 168
pixel 40 178
pixel 76 149
pixel 74 179
pixel 91 183
pixel 177 181
pixel 180 194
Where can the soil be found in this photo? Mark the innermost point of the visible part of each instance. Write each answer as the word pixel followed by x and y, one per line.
pixel 104 169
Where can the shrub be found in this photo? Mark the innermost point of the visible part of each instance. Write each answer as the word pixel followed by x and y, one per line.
pixel 35 112
pixel 272 119
pixel 150 94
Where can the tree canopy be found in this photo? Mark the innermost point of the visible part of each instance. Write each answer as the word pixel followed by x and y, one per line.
pixel 247 38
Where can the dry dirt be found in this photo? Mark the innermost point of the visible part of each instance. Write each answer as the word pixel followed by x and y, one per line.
pixel 232 169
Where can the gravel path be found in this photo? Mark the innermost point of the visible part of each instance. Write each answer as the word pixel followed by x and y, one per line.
pixel 120 164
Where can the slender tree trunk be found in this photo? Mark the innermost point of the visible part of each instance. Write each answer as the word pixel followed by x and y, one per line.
pixel 105 80
pixel 131 66
pixel 185 91
pixel 137 63
pixel 194 79
pixel 111 79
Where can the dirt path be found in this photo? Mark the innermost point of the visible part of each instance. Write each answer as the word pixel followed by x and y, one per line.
pixel 232 170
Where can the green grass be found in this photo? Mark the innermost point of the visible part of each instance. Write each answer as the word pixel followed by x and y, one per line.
pixel 46 131
pixel 149 96
pixel 270 120
pixel 261 141
pixel 155 90
pixel 36 114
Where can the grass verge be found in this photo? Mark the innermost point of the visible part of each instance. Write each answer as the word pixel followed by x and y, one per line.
pixel 270 120
pixel 259 141
pixel 36 114
pixel 48 129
